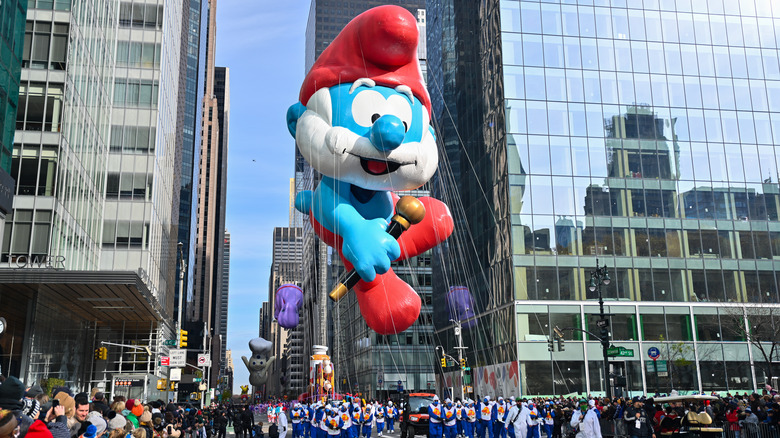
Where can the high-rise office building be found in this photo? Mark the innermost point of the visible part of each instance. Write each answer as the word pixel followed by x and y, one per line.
pixel 194 61
pixel 212 192
pixel 638 134
pixel 319 272
pixel 285 269
pixel 140 222
pixel 53 295
pixel 61 139
pixel 12 17
pixel 223 304
pixel 222 92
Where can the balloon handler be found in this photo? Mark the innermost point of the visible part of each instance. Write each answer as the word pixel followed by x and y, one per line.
pixel 363 122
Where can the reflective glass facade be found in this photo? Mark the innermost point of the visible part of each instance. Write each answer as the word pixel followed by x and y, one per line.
pixel 142 189
pixel 195 34
pixel 62 132
pixel 12 18
pixel 638 133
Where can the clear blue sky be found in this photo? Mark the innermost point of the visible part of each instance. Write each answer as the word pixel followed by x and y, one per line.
pixel 262 42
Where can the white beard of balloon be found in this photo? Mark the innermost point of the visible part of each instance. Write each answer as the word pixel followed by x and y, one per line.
pixel 336 151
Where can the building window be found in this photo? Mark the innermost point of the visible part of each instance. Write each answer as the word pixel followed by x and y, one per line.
pixel 135 93
pixel 137 186
pixel 132 139
pixel 140 15
pixel 45 45
pixel 57 5
pixel 34 170
pixel 140 55
pixel 40 107
pixel 123 234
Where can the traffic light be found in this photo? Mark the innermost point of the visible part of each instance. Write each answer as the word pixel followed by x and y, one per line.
pixel 550 346
pixel 561 347
pixel 463 363
pixel 161 384
pixel 101 353
pixel 172 386
pixel 97 353
pixel 443 362
pixel 183 338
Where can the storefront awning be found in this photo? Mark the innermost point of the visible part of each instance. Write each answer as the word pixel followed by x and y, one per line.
pixel 107 296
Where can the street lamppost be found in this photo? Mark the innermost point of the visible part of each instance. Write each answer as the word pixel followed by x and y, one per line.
pixel 597 278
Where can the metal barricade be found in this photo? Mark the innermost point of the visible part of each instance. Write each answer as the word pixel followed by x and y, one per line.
pixel 749 430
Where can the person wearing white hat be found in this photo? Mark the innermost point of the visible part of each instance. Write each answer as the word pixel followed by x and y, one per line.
pixel 471 419
pixel 449 419
pixel 297 416
pixel 533 421
pixel 501 411
pixel 367 420
pixel 391 413
pixel 379 418
pixel 486 417
pixel 460 417
pixel 434 418
pixel 333 422
pixel 346 421
pixel 356 413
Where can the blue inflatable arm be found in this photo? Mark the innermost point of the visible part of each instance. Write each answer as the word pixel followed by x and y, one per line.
pixel 366 244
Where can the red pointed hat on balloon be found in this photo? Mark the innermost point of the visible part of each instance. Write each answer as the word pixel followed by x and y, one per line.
pixel 380 44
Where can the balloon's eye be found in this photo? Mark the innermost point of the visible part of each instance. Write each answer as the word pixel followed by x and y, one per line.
pixel 374 118
pixel 406 127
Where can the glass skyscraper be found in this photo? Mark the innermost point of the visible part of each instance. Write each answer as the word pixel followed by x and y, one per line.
pixel 142 188
pixel 638 133
pixel 62 132
pixel 12 17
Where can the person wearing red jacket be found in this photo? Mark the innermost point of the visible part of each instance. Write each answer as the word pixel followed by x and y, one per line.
pixel 732 416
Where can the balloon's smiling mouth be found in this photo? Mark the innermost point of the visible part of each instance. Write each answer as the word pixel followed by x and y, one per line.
pixel 378 167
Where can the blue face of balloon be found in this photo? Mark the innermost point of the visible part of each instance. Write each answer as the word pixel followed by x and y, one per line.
pixel 449 405
pixel 386 116
pixel 372 136
pixel 486 399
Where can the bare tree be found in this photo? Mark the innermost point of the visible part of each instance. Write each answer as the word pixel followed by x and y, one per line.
pixel 762 332
pixel 679 362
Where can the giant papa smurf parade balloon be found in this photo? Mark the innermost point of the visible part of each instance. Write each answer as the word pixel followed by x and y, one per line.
pixel 363 121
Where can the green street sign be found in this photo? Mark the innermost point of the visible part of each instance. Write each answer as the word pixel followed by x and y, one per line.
pixel 660 366
pixel 197 379
pixel 620 352
pixel 170 342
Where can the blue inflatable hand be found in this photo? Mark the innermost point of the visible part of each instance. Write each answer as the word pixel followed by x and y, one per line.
pixel 303 201
pixel 369 248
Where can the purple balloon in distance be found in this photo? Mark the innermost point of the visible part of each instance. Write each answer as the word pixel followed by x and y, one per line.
pixel 460 304
pixel 289 298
